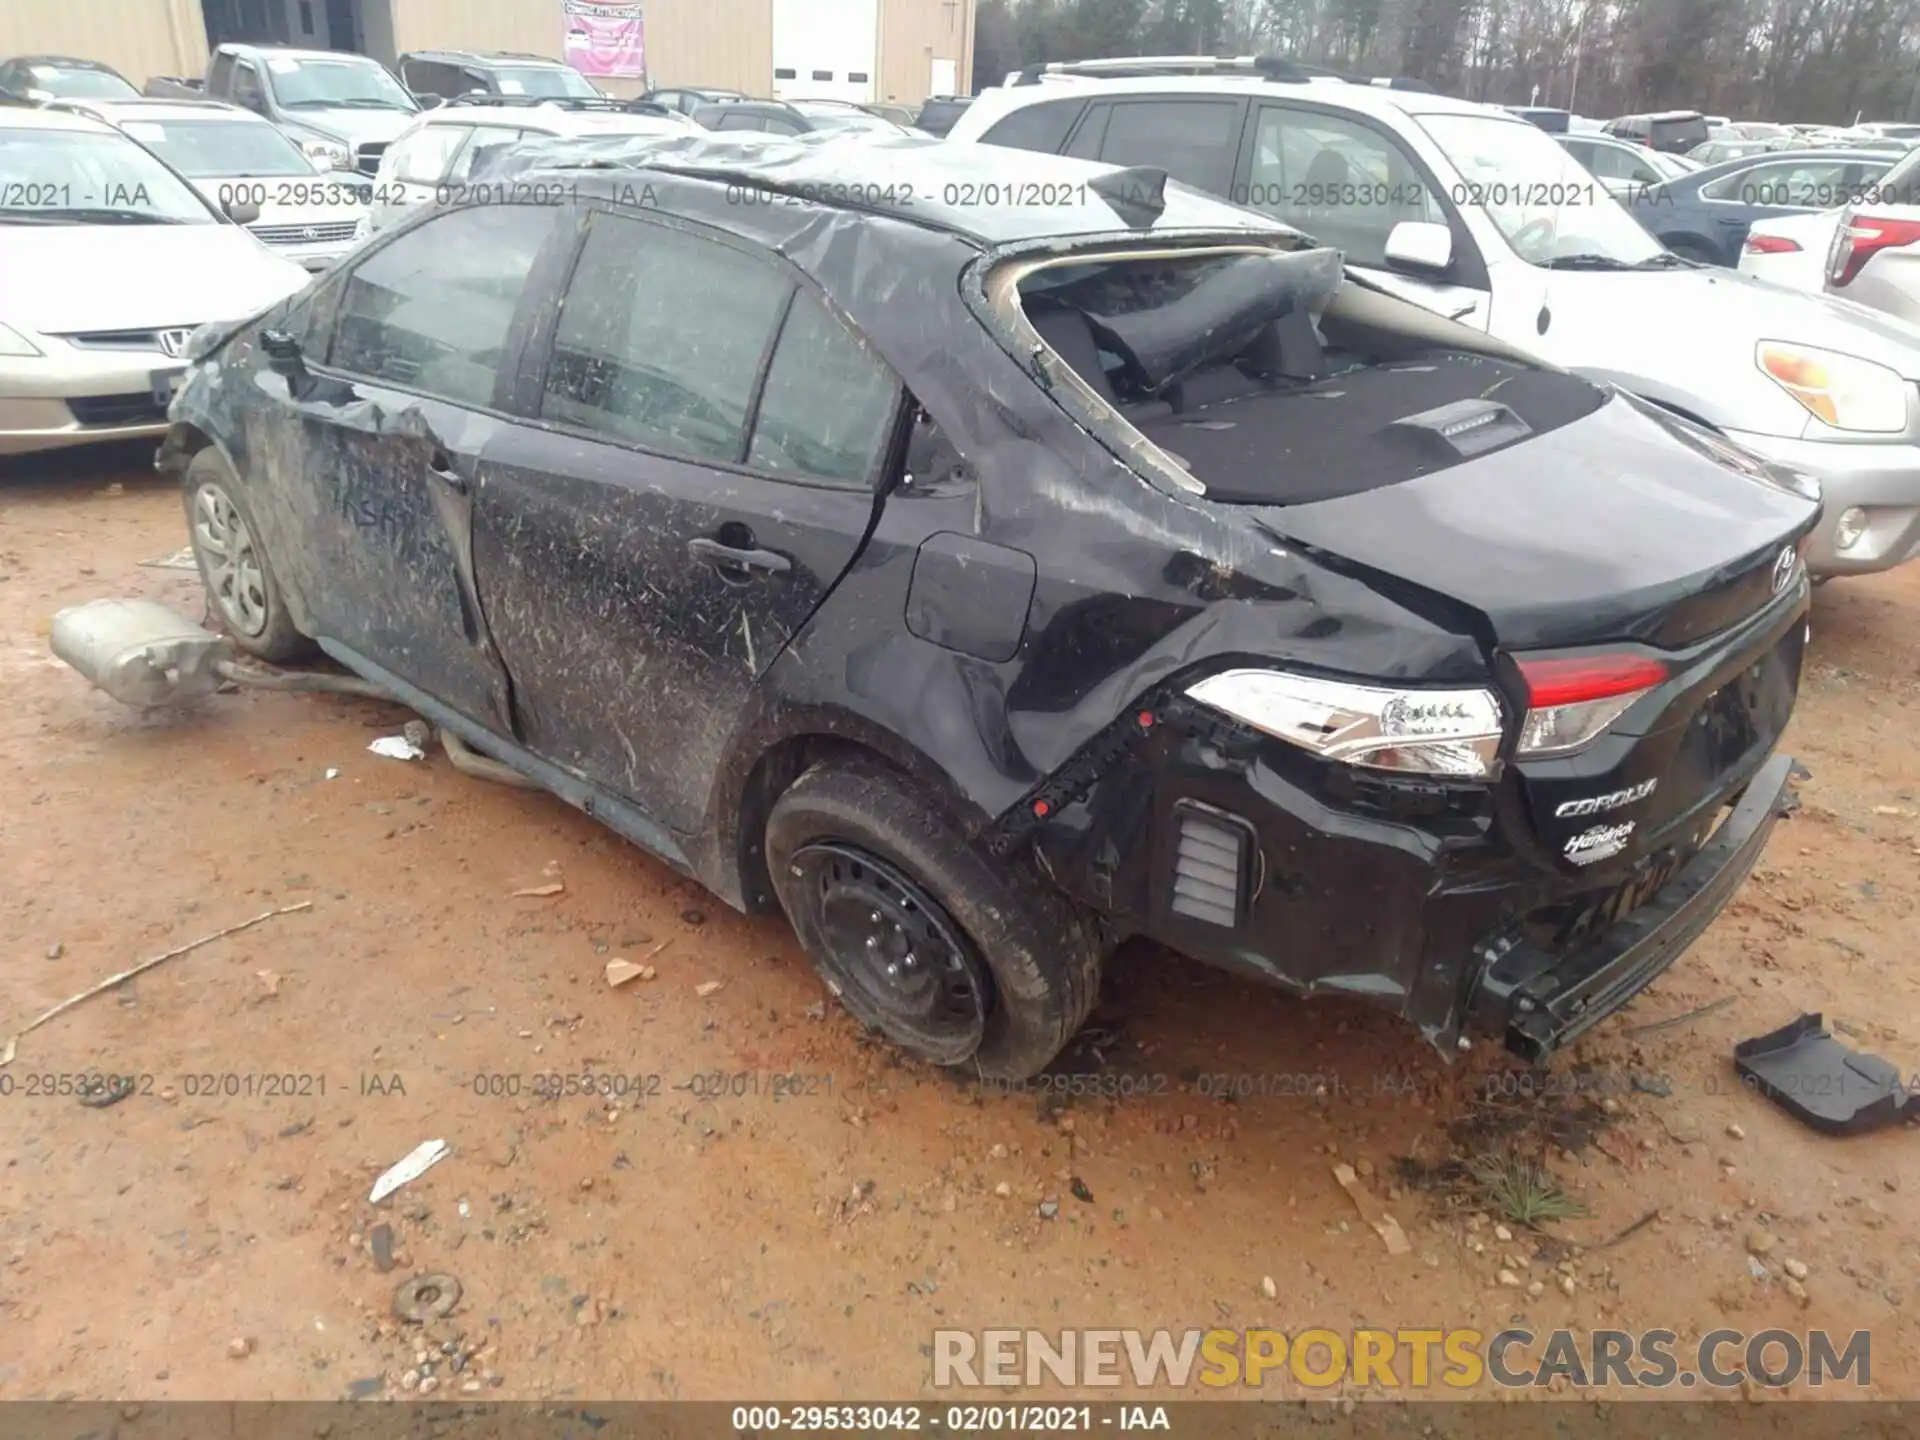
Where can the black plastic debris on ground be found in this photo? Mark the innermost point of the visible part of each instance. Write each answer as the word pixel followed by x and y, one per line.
pixel 1823 1083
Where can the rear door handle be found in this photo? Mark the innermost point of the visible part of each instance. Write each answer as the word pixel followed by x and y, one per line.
pixel 714 553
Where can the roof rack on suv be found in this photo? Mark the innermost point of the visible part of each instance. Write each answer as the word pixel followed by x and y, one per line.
pixel 605 103
pixel 1267 67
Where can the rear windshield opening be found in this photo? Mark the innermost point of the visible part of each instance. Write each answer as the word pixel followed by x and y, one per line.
pixel 1252 374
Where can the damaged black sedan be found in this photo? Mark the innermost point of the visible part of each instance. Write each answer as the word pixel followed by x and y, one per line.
pixel 984 556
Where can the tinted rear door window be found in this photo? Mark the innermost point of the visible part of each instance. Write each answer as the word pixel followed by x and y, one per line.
pixel 1040 127
pixel 1194 141
pixel 828 403
pixel 661 338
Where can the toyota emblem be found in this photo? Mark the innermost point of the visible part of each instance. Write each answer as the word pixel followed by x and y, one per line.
pixel 1783 567
pixel 310 233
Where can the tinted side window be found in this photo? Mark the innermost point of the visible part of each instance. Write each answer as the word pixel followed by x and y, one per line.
pixel 660 338
pixel 828 403
pixel 1343 183
pixel 1792 182
pixel 219 74
pixel 780 125
pixel 430 311
pixel 739 120
pixel 1040 127
pixel 246 88
pixel 1192 140
pixel 1091 135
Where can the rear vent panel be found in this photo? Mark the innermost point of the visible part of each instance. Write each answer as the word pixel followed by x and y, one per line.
pixel 1209 865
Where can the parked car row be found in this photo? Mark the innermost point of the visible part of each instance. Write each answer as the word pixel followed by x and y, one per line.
pixel 1468 211
pixel 778 599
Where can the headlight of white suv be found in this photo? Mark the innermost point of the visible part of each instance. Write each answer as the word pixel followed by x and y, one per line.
pixel 1427 732
pixel 12 342
pixel 328 154
pixel 1843 391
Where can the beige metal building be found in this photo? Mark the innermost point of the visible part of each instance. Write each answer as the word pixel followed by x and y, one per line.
pixel 919 47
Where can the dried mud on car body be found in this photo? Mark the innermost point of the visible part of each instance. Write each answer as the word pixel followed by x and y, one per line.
pixel 807 1248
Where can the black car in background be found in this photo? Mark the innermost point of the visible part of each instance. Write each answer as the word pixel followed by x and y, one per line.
pixel 793 117
pixel 689 98
pixel 980 584
pixel 449 74
pixel 1554 122
pixel 1675 131
pixel 939 112
pixel 1705 216
pixel 36 79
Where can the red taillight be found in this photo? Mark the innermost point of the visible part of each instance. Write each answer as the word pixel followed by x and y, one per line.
pixel 1863 237
pixel 1595 677
pixel 1770 245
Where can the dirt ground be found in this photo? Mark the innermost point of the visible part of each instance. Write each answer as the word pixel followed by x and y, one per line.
pixel 209 1236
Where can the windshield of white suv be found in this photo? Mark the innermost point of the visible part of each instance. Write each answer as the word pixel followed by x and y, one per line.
pixel 75 177
pixel 223 149
pixel 1550 209
pixel 325 84
pixel 546 81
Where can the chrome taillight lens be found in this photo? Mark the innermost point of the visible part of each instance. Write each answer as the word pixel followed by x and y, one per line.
pixel 1570 701
pixel 1426 732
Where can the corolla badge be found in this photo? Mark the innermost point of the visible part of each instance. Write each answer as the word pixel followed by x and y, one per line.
pixel 1598 843
pixel 1783 568
pixel 1600 804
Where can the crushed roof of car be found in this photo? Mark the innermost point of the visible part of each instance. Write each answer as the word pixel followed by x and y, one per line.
pixel 987 193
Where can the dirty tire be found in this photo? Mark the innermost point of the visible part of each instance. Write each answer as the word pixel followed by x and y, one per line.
pixel 1041 955
pixel 235 569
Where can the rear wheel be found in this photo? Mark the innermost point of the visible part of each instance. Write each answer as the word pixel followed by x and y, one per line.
pixel 233 561
pixel 957 957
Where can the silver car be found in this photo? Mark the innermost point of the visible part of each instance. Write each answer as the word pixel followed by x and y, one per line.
pixel 1481 217
pixel 244 164
pixel 108 260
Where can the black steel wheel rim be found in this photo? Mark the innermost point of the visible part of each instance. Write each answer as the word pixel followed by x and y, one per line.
pixel 892 951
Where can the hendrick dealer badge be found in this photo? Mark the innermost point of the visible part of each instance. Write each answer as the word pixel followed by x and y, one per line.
pixel 1598 843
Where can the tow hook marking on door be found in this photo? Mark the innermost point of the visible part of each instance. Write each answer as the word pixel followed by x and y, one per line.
pixel 1600 804
pixel 1598 843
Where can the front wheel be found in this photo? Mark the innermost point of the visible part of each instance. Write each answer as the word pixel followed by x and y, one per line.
pixel 234 565
pixel 955 956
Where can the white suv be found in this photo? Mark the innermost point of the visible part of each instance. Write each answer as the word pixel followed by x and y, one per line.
pixel 1480 216
pixel 434 158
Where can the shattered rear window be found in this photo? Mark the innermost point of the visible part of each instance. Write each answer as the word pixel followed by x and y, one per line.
pixel 1238 368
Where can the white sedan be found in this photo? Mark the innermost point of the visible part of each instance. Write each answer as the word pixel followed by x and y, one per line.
pixel 1791 250
pixel 108 261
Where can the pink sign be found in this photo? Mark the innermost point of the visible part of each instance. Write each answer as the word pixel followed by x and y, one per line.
pixel 605 37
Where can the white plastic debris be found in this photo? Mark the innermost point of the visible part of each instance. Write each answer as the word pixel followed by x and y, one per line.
pixel 422 1158
pixel 397 747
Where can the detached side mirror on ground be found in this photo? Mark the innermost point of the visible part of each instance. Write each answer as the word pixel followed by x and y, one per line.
pixel 241 212
pixel 1421 245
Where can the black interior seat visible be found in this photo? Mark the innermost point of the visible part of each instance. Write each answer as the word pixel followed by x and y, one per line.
pixel 1069 336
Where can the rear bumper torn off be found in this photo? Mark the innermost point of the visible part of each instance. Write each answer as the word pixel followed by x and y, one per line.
pixel 1540 1002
